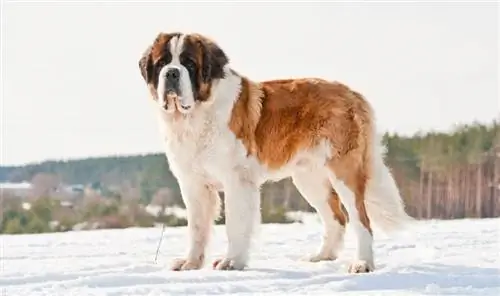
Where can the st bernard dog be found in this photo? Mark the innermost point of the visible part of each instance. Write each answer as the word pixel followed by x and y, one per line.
pixel 224 131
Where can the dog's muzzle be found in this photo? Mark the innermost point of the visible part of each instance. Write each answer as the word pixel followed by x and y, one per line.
pixel 172 78
pixel 172 91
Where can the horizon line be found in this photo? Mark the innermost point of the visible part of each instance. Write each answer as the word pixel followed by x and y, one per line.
pixel 448 130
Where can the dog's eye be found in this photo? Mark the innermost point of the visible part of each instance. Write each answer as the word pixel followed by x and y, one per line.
pixel 189 65
pixel 160 63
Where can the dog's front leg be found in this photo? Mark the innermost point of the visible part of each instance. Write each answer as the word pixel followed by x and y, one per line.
pixel 202 205
pixel 242 212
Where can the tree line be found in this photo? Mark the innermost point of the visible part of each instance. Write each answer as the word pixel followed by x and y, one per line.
pixel 444 175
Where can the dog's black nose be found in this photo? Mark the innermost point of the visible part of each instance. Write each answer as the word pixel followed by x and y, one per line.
pixel 173 74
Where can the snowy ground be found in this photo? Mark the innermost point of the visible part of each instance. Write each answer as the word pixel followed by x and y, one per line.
pixel 440 258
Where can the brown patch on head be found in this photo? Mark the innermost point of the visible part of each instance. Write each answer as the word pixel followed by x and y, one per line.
pixel 209 59
pixel 154 58
pixel 161 47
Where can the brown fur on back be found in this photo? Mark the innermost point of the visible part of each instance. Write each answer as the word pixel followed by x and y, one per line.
pixel 277 118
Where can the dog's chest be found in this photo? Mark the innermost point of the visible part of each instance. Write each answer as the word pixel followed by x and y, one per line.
pixel 198 146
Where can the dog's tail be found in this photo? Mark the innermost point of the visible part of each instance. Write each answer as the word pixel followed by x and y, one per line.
pixel 383 202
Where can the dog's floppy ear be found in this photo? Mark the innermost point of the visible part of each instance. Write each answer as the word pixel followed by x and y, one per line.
pixel 146 65
pixel 214 60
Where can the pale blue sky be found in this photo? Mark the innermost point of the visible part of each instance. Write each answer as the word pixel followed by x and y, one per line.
pixel 72 88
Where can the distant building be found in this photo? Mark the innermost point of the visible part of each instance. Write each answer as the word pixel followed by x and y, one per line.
pixel 75 190
pixel 22 189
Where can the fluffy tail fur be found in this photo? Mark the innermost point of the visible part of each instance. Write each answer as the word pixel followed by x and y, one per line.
pixel 383 202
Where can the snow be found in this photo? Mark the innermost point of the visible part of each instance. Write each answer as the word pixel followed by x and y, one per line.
pixel 459 257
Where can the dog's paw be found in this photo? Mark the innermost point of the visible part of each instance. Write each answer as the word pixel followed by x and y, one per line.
pixel 361 266
pixel 183 264
pixel 228 264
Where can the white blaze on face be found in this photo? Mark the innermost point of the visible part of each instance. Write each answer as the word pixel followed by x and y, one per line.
pixel 165 103
pixel 185 100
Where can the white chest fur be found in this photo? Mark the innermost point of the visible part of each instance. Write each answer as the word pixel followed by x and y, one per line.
pixel 201 144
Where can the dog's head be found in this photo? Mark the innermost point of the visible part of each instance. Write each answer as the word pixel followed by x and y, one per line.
pixel 180 69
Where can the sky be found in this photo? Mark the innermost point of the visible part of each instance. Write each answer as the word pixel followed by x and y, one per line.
pixel 71 86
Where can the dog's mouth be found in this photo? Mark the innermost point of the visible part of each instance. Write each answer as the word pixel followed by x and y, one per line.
pixel 174 101
pixel 172 94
